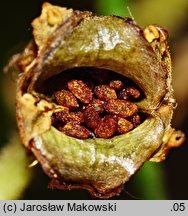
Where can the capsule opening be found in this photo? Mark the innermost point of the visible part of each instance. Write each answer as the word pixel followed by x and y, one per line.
pixel 87 74
pixel 95 102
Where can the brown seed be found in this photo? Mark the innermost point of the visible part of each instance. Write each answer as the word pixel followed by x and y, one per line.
pixel 66 98
pixel 104 92
pixel 123 126
pixel 106 127
pixel 91 117
pixel 116 84
pixel 97 104
pixel 129 92
pixel 135 119
pixel 75 130
pixel 90 84
pixel 121 108
pixel 124 94
pixel 113 110
pixel 80 90
pixel 134 92
pixel 72 116
pixel 54 121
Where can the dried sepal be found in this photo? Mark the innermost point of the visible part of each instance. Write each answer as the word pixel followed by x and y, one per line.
pixel 50 18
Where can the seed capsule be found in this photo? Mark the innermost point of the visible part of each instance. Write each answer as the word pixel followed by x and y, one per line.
pixel 80 90
pixel 121 108
pixel 71 50
pixel 66 98
pixel 104 92
pixel 106 127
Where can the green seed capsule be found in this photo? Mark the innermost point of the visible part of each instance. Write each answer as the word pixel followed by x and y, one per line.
pixel 66 40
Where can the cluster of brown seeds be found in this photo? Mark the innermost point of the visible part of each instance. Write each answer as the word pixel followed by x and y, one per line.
pixel 96 110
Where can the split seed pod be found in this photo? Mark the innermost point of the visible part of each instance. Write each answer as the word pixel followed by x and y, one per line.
pixel 66 39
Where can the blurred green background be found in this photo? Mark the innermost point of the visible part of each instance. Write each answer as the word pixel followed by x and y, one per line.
pixel 166 180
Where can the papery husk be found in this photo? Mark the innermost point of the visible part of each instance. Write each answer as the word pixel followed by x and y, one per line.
pixel 82 39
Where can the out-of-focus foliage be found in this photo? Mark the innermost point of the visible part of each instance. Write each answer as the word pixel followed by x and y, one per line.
pixel 169 13
pixel 14 173
pixel 180 79
pixel 112 7
pixel 150 182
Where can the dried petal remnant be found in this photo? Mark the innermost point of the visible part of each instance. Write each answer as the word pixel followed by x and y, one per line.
pixel 91 117
pixel 121 108
pixel 124 126
pixel 106 127
pixel 80 90
pixel 75 130
pixel 104 92
pixel 66 98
